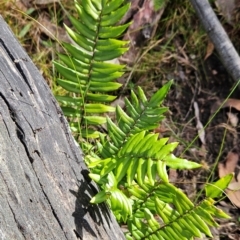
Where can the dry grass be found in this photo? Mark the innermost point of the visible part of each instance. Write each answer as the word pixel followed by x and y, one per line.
pixel 33 26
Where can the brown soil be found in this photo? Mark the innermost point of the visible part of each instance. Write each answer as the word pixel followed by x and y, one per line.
pixel 208 85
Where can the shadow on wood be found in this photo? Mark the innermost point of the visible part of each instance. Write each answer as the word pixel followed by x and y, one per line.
pixel 44 187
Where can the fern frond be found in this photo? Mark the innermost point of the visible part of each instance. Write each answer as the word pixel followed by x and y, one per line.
pixel 84 70
pixel 133 154
pixel 170 214
pixel 140 115
pixel 133 150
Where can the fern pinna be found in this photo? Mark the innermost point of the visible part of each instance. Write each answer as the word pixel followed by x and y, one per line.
pixel 129 162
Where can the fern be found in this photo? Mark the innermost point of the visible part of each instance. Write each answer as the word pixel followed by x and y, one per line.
pixel 130 163
pixel 131 149
pixel 131 166
pixel 86 75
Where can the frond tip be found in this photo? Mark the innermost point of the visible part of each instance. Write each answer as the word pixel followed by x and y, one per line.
pixel 85 72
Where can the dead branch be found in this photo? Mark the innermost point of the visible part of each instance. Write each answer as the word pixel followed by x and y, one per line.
pixel 219 37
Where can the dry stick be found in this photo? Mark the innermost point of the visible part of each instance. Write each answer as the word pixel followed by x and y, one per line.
pixel 219 37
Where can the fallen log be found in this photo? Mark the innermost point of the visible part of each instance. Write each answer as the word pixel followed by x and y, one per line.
pixel 44 185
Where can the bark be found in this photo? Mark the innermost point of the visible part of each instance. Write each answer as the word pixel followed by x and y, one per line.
pixel 219 37
pixel 44 187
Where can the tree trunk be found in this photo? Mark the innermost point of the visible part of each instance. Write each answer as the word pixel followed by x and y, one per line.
pixel 44 186
pixel 219 37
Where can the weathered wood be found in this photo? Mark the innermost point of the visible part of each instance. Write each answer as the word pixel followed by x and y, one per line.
pixel 43 191
pixel 219 37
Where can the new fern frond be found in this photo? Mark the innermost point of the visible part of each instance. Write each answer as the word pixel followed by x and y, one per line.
pixel 129 162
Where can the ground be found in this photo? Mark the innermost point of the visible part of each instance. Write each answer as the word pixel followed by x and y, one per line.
pixel 180 50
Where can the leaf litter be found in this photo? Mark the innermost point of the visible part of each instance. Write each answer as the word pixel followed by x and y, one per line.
pixel 231 166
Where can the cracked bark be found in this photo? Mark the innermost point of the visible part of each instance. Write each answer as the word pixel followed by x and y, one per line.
pixel 44 187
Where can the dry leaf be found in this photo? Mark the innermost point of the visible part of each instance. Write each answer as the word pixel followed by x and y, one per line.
pixel 161 129
pixel 234 186
pixel 143 27
pixel 210 49
pixel 229 167
pixel 232 102
pixel 173 175
pixel 200 128
pixel 233 119
pixel 234 197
